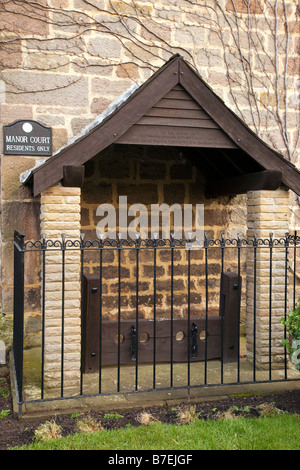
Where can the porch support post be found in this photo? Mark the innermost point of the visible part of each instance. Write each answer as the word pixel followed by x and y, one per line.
pixel 60 214
pixel 268 212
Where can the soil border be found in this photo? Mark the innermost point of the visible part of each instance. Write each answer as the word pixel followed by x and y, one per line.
pixel 16 431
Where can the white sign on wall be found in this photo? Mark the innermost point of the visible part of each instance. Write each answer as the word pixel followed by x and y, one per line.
pixel 27 138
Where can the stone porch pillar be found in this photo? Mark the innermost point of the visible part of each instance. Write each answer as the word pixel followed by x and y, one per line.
pixel 60 214
pixel 268 212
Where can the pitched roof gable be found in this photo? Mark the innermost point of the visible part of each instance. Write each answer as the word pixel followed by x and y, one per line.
pixel 177 120
pixel 204 121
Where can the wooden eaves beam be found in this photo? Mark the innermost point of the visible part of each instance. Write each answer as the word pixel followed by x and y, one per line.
pixel 267 179
pixel 73 176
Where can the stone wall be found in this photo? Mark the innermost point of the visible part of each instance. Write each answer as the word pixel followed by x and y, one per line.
pixel 63 62
pixel 60 213
pixel 91 53
pixel 267 213
pixel 19 212
pixel 153 175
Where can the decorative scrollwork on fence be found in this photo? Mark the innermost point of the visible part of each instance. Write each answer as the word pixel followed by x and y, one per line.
pixel 288 240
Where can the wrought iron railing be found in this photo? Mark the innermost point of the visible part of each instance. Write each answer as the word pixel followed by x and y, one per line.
pixel 205 292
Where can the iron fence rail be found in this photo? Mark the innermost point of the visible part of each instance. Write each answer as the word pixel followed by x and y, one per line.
pixel 290 258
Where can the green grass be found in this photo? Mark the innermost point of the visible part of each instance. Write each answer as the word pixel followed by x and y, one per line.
pixel 4 390
pixel 4 413
pixel 113 415
pixel 265 433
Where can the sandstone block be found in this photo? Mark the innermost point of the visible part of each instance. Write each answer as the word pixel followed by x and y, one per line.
pixel 293 66
pixel 104 46
pixel 25 216
pixel 26 21
pixel 47 88
pixel 59 190
pixel 11 113
pixel 239 6
pixel 103 86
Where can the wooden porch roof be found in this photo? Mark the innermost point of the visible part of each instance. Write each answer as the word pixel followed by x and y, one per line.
pixel 175 107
